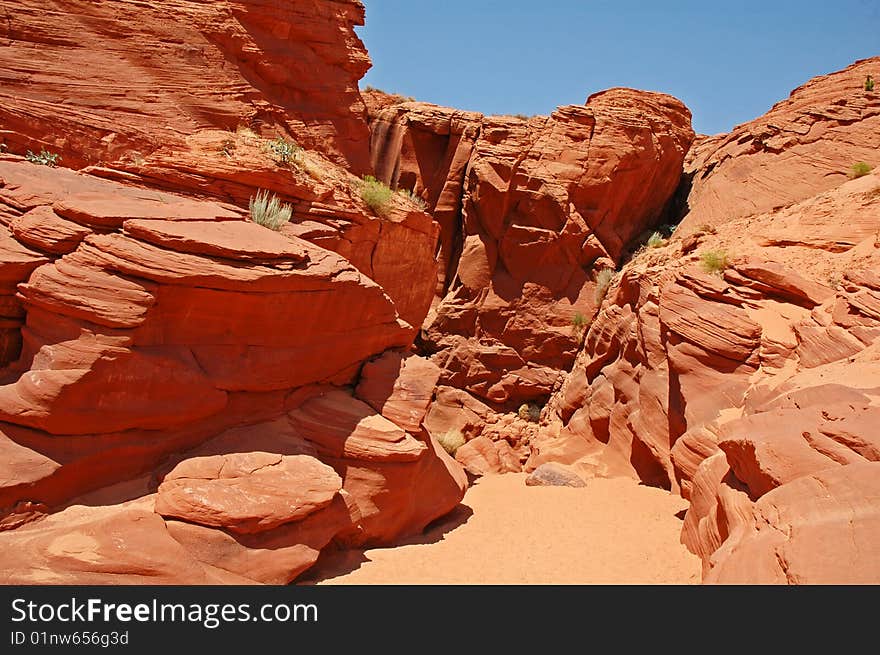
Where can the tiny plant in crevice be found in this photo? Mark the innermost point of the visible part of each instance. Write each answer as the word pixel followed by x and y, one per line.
pixel 530 412
pixel 603 282
pixel 375 194
pixel 45 158
pixel 283 152
pixel 859 169
pixel 414 198
pixel 869 83
pixel 714 261
pixel 578 324
pixel 656 240
pixel 451 441
pixel 267 210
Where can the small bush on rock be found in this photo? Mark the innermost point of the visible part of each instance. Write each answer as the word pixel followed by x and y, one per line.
pixel 45 158
pixel 267 210
pixel 529 412
pixel 376 194
pixel 415 199
pixel 714 261
pixel 603 282
pixel 452 441
pixel 578 324
pixel 283 152
pixel 656 241
pixel 859 169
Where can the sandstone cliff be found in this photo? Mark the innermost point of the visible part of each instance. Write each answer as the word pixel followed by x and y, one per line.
pixel 737 363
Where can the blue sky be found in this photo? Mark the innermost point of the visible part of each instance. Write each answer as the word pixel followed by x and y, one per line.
pixel 728 61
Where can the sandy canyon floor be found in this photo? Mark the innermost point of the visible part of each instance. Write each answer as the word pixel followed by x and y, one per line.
pixel 613 531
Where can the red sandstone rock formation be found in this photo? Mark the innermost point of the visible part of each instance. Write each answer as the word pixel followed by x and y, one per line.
pixel 751 390
pixel 191 398
pixel 530 211
pixel 804 145
pixel 74 85
pixel 174 325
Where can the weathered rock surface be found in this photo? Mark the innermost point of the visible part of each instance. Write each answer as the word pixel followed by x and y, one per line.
pixel 290 68
pixel 247 493
pixel 819 529
pixel 750 386
pixel 167 327
pixel 804 145
pixel 529 211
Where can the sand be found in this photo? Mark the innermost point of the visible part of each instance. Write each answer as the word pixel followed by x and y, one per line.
pixel 614 531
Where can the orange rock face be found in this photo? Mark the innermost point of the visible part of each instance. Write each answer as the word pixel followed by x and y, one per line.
pixel 167 324
pixel 182 67
pixel 804 145
pixel 738 363
pixel 530 211
pixel 188 397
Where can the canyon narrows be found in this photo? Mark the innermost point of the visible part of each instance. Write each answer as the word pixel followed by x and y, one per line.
pixel 189 397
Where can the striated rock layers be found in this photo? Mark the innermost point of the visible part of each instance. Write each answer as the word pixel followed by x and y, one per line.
pixel 202 369
pixel 805 144
pixel 531 210
pixel 99 81
pixel 739 363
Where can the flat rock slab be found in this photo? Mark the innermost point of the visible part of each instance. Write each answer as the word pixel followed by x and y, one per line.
pixel 247 493
pixel 345 427
pixel 242 240
pixel 109 210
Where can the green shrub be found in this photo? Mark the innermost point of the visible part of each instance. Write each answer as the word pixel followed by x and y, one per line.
pixel 45 158
pixel 415 199
pixel 714 261
pixel 869 83
pixel 269 211
pixel 451 441
pixel 578 323
pixel 530 412
pixel 859 169
pixel 656 241
pixel 283 152
pixel 603 283
pixel 376 194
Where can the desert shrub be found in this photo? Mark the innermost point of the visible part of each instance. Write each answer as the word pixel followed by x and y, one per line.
pixel 714 261
pixel 530 412
pixel 45 158
pixel 603 282
pixel 451 441
pixel 414 198
pixel 859 169
pixel 283 152
pixel 267 210
pixel 656 240
pixel 869 83
pixel 376 194
pixel 578 323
